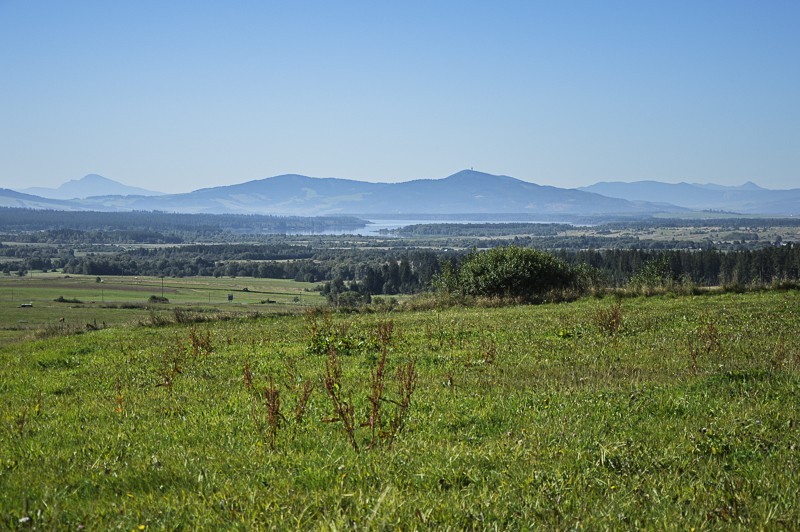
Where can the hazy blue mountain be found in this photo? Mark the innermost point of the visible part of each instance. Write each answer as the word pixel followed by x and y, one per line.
pixel 12 198
pixel 88 186
pixel 749 185
pixel 464 192
pixel 746 199
pixel 476 192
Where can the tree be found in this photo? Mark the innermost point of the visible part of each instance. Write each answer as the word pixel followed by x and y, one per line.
pixel 514 272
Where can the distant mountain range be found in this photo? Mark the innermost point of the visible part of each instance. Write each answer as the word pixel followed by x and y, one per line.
pixel 464 193
pixel 12 198
pixel 88 186
pixel 746 199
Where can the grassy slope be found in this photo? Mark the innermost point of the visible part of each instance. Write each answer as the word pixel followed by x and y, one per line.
pixel 99 302
pixel 521 416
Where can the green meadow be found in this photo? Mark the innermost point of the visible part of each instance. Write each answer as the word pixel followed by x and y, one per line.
pixel 667 412
pixel 72 302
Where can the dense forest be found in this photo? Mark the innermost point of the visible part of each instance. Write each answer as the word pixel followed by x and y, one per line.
pixel 706 267
pixel 146 226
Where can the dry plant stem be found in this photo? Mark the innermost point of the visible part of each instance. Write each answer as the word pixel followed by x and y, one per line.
pixel 170 366
pixel 311 322
pixel 272 397
pixel 384 335
pixel 302 388
pixel 376 397
pixel 201 344
pixel 406 383
pixel 610 319
pixel 314 327
pixel 384 332
pixel 343 410
pixel 118 390
pixel 303 396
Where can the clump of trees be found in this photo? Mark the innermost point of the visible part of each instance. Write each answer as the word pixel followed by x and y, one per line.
pixel 513 273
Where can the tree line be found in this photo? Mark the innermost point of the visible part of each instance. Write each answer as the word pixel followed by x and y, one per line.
pixel 705 267
pixel 184 225
pixel 370 271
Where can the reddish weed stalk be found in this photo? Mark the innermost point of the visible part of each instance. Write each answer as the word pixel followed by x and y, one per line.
pixel 247 375
pixel 272 397
pixel 118 390
pixel 375 398
pixel 342 409
pixel 609 320
pixel 384 332
pixel 303 396
pixel 302 389
pixel 171 364
pixel 406 384
pixel 201 343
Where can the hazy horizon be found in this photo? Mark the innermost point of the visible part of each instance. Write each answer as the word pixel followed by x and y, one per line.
pixel 179 96
pixel 28 188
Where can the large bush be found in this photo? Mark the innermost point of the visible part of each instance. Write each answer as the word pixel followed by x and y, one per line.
pixel 513 272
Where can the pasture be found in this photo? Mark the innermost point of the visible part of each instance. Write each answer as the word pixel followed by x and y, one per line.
pixel 76 301
pixel 662 412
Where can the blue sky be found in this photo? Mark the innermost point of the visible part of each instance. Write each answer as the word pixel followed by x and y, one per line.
pixel 175 96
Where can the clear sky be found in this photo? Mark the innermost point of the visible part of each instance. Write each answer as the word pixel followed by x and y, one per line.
pixel 178 95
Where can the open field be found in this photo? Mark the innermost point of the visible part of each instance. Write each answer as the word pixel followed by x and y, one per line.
pixel 717 235
pixel 123 300
pixel 662 412
pixel 674 233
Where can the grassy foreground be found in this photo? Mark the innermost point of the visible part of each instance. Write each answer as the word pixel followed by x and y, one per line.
pixel 658 413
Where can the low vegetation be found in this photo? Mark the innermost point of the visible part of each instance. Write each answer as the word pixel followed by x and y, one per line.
pixel 672 411
pixel 643 389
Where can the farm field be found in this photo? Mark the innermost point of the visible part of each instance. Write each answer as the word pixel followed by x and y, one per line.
pixel 662 412
pixel 123 300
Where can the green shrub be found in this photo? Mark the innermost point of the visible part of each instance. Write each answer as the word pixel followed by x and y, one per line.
pixel 62 299
pixel 514 272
